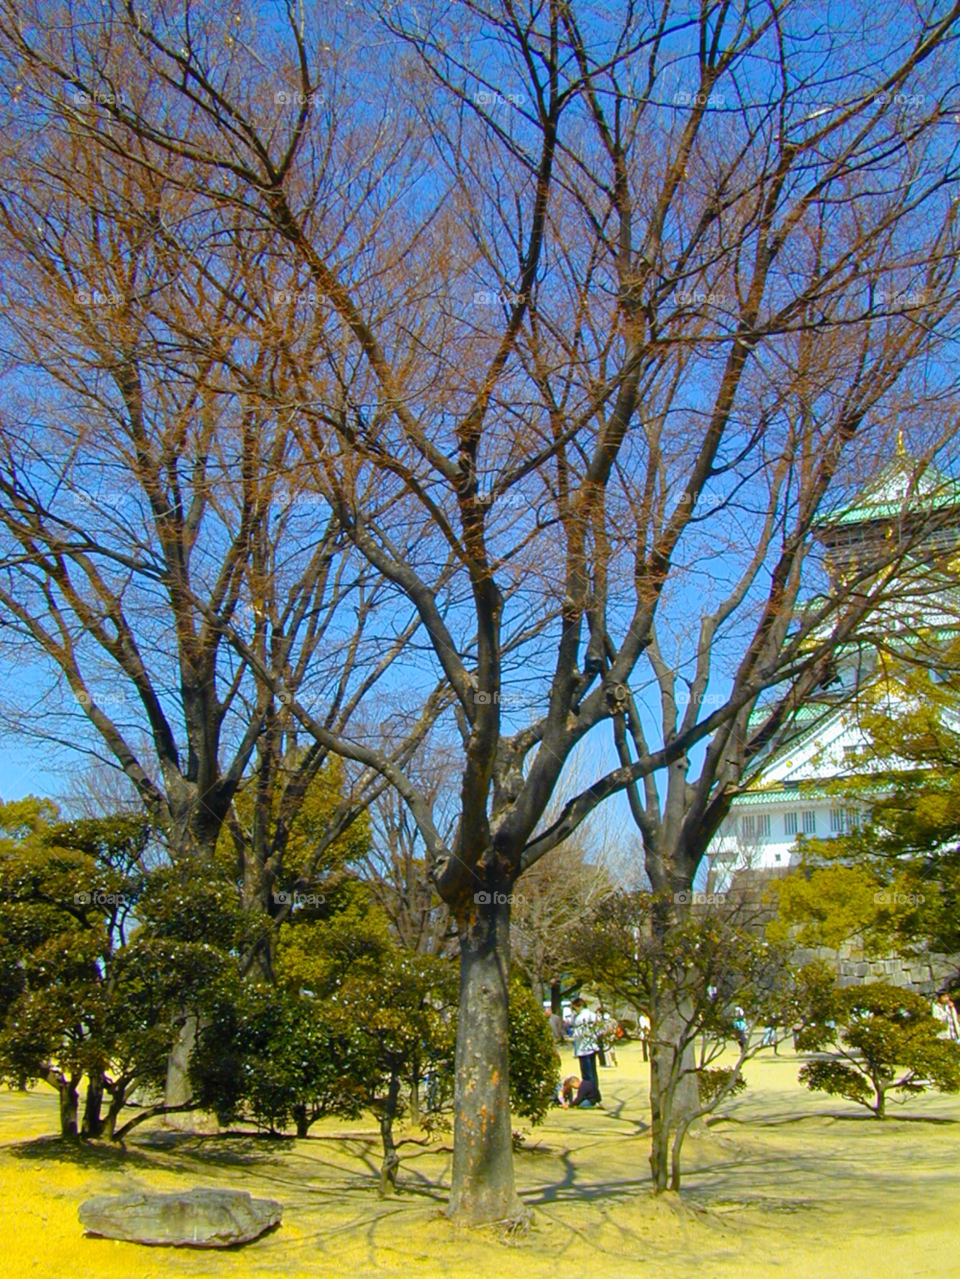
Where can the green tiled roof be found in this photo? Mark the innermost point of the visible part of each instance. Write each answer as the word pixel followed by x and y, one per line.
pixel 799 794
pixel 751 798
pixel 803 714
pixel 896 491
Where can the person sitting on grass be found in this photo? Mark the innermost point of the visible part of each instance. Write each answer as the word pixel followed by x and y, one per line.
pixel 579 1092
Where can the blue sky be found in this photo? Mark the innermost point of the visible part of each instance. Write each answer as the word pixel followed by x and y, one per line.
pixel 25 768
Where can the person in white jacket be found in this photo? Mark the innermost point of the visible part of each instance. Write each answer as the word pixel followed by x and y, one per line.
pixel 586 1026
pixel 945 1012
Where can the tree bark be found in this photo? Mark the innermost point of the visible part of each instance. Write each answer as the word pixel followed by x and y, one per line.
pixel 301 1120
pixel 659 1116
pixel 391 1160
pixel 117 1102
pixel 178 1092
pixel 483 1187
pixel 92 1125
pixel 69 1105
pixel 415 1094
pixel 686 1094
pixel 674 1095
pixel 556 1002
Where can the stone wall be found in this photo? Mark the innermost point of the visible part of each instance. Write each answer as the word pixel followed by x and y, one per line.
pixel 926 974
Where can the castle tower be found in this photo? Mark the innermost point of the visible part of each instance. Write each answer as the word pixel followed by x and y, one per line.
pixel 918 510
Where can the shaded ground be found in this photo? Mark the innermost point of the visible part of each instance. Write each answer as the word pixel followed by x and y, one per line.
pixel 789 1184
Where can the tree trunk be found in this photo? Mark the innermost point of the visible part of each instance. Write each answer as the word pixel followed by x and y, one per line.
pixel 483 1187
pixel 674 1095
pixel 659 1118
pixel 92 1123
pixel 301 1120
pixel 69 1104
pixel 681 1132
pixel 117 1103
pixel 556 1002
pixel 686 1093
pixel 391 1160
pixel 150 1112
pixel 178 1091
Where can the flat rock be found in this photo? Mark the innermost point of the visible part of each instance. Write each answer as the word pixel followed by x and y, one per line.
pixel 192 1219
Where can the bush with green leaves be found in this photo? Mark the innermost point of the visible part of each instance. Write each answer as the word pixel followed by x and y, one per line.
pixel 879 1040
pixel 355 1024
pixel 67 890
pixel 271 1056
pixel 534 1060
pixel 92 981
pixel 395 1008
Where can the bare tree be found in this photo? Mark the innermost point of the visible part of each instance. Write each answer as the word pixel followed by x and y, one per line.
pixel 556 895
pixel 585 318
pixel 151 505
pixel 397 869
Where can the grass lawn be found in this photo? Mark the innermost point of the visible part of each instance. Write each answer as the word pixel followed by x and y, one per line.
pixel 785 1183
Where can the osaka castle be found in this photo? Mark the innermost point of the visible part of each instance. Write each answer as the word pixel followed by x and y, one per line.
pixel 791 790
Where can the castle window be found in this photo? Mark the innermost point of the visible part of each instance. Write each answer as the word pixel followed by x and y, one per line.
pixel 790 823
pixel 844 820
pixel 809 821
pixel 755 826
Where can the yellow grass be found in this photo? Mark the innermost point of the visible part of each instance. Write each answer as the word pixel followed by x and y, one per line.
pixel 789 1184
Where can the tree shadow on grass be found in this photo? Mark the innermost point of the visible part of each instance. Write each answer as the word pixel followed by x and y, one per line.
pixel 851 1116
pixel 81 1154
pixel 569 1187
pixel 171 1151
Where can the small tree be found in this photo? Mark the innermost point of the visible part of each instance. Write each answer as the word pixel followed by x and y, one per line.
pixel 881 1040
pixel 66 892
pixel 893 883
pixel 402 1014
pixel 273 1056
pixel 713 961
pixel 396 1009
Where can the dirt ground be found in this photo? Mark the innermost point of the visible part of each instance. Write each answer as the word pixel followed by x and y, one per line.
pixel 786 1183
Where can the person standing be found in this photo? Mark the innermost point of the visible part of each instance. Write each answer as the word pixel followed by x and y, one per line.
pixel 585 1045
pixel 740 1028
pixel 643 1026
pixel 608 1040
pixel 945 1013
